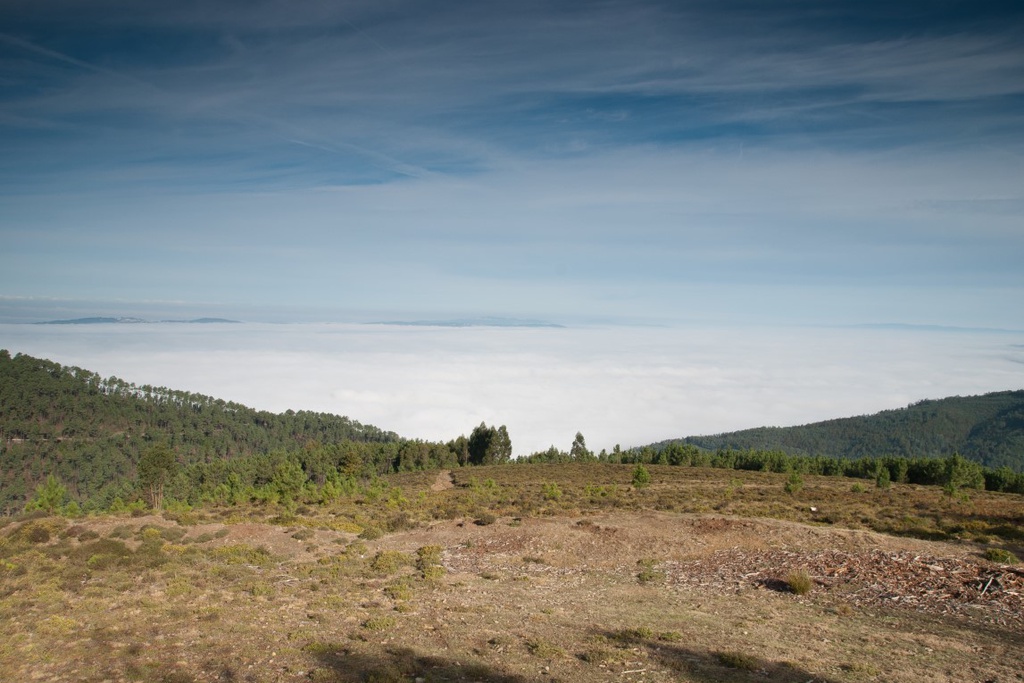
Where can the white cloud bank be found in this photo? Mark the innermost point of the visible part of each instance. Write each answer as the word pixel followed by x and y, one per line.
pixel 625 385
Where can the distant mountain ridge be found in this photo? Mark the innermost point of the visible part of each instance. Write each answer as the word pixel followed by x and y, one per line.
pixel 471 322
pixel 101 320
pixel 988 429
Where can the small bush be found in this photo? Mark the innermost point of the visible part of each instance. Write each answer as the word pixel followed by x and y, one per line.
pixel 799 582
pixel 243 554
pixel 102 554
pixel 649 571
pixel 486 519
pixel 543 649
pixel 398 591
pixel 428 562
pixel 641 477
pixel 379 623
pixel 630 636
pixel 794 483
pixel 737 660
pixel 122 531
pixel 303 534
pixel 551 491
pixel 38 530
pixel 1001 556
pixel 388 562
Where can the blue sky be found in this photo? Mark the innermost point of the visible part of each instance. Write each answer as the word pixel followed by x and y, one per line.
pixel 724 162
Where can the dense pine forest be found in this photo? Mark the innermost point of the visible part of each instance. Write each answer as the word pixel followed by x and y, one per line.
pixel 69 437
pixel 988 429
pixel 90 433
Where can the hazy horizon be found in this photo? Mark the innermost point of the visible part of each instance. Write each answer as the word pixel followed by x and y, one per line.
pixel 625 168
pixel 616 384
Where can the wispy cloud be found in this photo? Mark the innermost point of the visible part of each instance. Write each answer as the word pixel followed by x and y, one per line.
pixel 604 159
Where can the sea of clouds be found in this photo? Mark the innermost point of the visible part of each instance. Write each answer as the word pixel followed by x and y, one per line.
pixel 615 384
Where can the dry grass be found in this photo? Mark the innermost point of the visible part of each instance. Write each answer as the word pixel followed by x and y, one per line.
pixel 230 596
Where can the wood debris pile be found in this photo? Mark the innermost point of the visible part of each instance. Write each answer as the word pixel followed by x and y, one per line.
pixel 879 578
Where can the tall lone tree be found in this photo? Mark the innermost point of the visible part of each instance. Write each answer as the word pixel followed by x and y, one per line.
pixel 489 445
pixel 579 451
pixel 156 466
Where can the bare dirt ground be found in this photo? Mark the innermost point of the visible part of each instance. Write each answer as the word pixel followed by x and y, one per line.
pixel 465 591
pixel 621 596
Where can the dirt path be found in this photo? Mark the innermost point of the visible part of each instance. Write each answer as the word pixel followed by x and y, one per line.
pixel 444 481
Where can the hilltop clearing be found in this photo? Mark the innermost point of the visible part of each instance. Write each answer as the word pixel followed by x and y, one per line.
pixel 496 595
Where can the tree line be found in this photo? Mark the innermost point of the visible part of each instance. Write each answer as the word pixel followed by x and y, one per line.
pixel 937 471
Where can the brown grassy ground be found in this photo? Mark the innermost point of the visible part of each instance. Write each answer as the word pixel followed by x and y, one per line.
pixel 521 574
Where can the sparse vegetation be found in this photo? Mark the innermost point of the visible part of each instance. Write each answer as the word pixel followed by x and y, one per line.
pixel 737 660
pixel 649 571
pixel 641 477
pixel 1001 556
pixel 234 567
pixel 799 582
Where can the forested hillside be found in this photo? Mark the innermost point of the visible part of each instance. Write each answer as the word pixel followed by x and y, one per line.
pixel 988 429
pixel 91 433
pixel 89 430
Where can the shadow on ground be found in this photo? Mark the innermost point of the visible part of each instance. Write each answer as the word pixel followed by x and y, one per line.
pixel 404 664
pixel 401 665
pixel 714 667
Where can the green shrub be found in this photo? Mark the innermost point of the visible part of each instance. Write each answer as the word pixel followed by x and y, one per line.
pixel 737 660
pixel 428 562
pixel 631 636
pixel 38 531
pixel 794 483
pixel 485 519
pixel 551 491
pixel 388 562
pixel 882 479
pixel 379 623
pixel 243 554
pixel 641 477
pixel 799 582
pixel 543 649
pixel 1001 556
pixel 399 590
pixel 649 571
pixel 102 554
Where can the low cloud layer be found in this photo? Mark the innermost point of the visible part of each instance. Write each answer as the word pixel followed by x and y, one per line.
pixel 618 385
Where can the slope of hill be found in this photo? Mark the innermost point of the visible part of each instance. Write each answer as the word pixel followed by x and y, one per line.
pixel 89 431
pixel 625 585
pixel 988 429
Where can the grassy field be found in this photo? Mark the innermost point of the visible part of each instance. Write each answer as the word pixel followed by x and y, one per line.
pixel 529 573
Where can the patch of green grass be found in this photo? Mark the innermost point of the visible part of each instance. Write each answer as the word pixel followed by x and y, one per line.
pixel 1001 556
pixel 399 590
pixel 543 649
pixel 240 553
pixel 649 572
pixel 631 636
pixel 737 660
pixel 381 623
